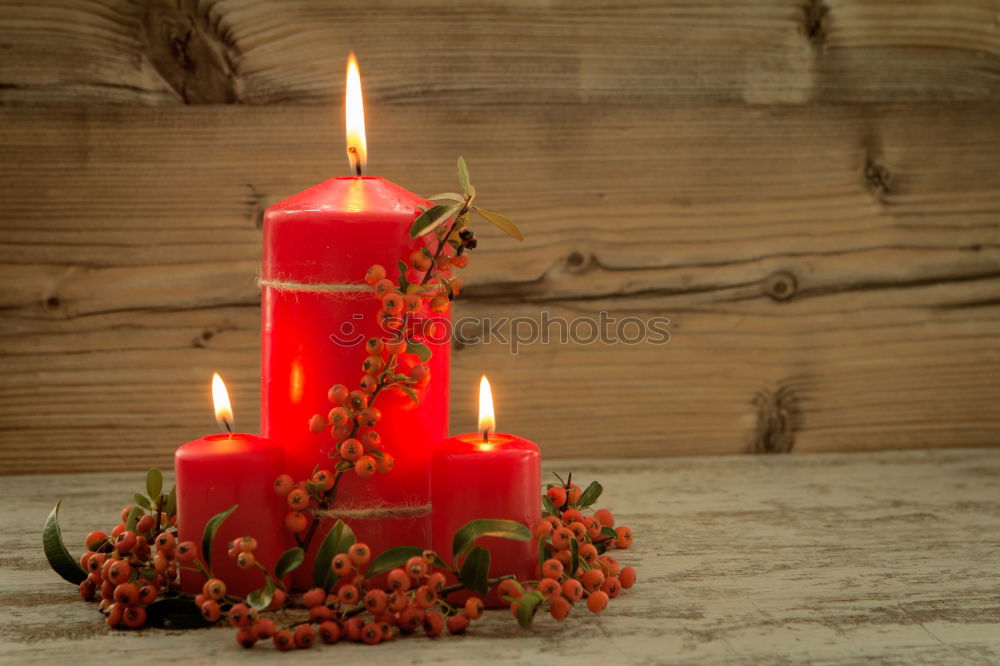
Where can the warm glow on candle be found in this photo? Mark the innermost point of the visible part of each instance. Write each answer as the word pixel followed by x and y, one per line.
pixel 357 146
pixel 220 396
pixel 487 422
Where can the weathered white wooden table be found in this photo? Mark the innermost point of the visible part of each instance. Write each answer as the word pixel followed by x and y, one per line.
pixel 857 558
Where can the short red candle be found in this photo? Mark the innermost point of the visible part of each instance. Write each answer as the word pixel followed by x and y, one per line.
pixel 213 474
pixel 498 478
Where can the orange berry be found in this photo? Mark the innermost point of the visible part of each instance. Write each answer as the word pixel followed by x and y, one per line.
pixel 416 567
pixel 460 261
pixel 561 538
pixel 304 636
pixel 425 596
pixel 624 539
pixel 572 516
pixel 325 477
pixel 87 590
pixel 383 287
pixel 374 274
pixel 593 527
pixel 574 493
pixel 118 572
pixel 370 439
pixel 592 580
pixel 542 529
pixel 352 628
pixel 245 560
pixel 296 521
pixel 165 542
pixel 433 624
pixel 320 613
pixel 134 617
pixel 572 589
pixel 627 577
pixel 560 607
pixel 283 485
pixel 419 260
pixel 341 564
pixel 608 564
pixel 385 463
pixel 597 601
pixel 127 594
pixel 316 424
pixel 368 383
pixel 314 597
pixel 95 540
pixel 458 623
pixel 588 553
pixel 370 417
pixel 351 449
pixel 115 612
pixel 214 588
pixel 284 640
pixel 396 346
pixel 436 581
pixel 371 633
pixel 337 394
pixel 552 569
pixel 398 601
pixel 399 580
pixel 210 610
pixel 376 601
pixel 605 517
pixel 298 498
pixel 578 529
pixel 348 594
pixel 421 374
pixel 411 303
pixel 145 523
pixel 440 304
pixel 359 553
pixel 263 628
pixel 277 600
pixel 612 587
pixel 239 615
pixel 329 631
pixel 557 494
pixel 357 400
pixel 508 588
pixel 365 466
pixel 392 303
pixel 474 608
pixel 550 588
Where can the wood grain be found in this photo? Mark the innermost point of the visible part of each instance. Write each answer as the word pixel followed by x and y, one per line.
pixel 876 558
pixel 642 52
pixel 831 273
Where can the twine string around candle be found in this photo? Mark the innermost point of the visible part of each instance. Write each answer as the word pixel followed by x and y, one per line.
pixel 374 511
pixel 315 288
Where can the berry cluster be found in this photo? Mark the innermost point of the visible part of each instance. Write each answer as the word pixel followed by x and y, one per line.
pixel 413 597
pixel 573 562
pixel 132 567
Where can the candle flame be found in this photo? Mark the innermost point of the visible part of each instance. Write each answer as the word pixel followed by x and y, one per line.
pixel 220 396
pixel 487 422
pixel 357 145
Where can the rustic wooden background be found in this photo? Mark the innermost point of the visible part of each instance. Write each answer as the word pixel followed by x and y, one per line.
pixel 808 189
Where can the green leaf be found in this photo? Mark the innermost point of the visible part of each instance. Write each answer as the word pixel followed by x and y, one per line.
pixel 431 219
pixel 505 223
pixel 176 613
pixel 404 284
pixel 609 533
pixel 527 607
pixel 543 552
pixel 141 500
pixel 466 536
pixel 344 465
pixel 55 550
pixel 463 175
pixel 548 508
pixel 148 573
pixel 420 349
pixel 133 518
pixel 208 535
pixel 574 557
pixel 450 196
pixel 590 495
pixel 475 571
pixel 410 392
pixel 154 482
pixel 396 557
pixel 337 541
pixel 261 597
pixel 171 507
pixel 289 562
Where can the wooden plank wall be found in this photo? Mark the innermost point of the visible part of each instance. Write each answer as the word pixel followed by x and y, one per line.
pixel 808 189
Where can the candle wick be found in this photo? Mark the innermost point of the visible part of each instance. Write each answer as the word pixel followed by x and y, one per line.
pixel 357 162
pixel 228 427
pixel 486 435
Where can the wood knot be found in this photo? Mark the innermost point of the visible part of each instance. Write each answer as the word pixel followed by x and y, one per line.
pixel 780 286
pixel 183 44
pixel 577 262
pixel 815 20
pixel 256 206
pixel 777 417
pixel 878 179
pixel 52 303
pixel 205 337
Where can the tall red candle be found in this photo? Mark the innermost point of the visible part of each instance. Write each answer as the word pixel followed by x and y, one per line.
pixel 213 474
pixel 317 314
pixel 488 475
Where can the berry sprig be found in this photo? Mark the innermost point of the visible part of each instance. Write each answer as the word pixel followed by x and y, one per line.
pixel 573 563
pixel 425 283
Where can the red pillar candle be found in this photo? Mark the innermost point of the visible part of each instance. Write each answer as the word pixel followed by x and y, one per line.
pixel 487 475
pixel 213 474
pixel 318 312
